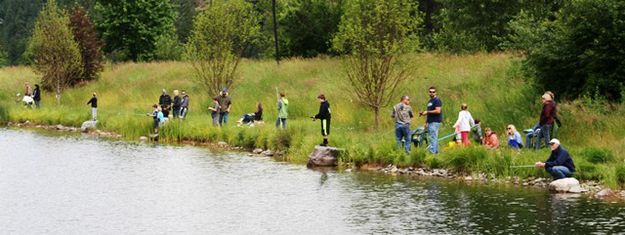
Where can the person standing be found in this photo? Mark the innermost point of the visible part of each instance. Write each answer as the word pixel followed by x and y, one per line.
pixel 434 117
pixel 28 89
pixel 184 106
pixel 559 164
pixel 224 106
pixel 464 123
pixel 402 113
pixel 214 108
pixel 324 115
pixel 164 101
pixel 546 121
pixel 37 95
pixel 177 103
pixel 94 106
pixel 283 111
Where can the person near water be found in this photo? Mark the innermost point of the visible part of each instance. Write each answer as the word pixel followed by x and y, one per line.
pixel 184 105
pixel 490 139
pixel 28 90
pixel 251 118
pixel 559 164
pixel 557 123
pixel 177 104
pixel 477 133
pixel 37 96
pixel 464 123
pixel 324 116
pixel 94 106
pixel 546 121
pixel 164 101
pixel 214 108
pixel 402 115
pixel 225 103
pixel 514 137
pixel 158 117
pixel 434 117
pixel 283 111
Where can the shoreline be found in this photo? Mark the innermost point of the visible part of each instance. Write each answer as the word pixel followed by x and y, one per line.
pixel 592 189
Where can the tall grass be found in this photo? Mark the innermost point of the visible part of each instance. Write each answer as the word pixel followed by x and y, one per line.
pixel 493 86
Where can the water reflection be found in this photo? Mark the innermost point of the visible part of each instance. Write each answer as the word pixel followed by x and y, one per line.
pixel 74 184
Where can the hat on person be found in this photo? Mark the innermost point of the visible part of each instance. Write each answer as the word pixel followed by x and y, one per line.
pixel 224 90
pixel 554 141
pixel 547 97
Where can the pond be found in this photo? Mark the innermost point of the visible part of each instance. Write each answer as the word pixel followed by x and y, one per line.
pixel 51 184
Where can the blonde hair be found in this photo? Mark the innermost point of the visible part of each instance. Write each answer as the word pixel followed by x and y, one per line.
pixel 547 97
pixel 512 127
pixel 176 92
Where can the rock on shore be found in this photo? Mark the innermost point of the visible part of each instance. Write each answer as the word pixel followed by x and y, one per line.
pixel 566 185
pixel 323 156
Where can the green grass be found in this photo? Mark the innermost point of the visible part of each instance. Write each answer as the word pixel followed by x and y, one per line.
pixel 493 86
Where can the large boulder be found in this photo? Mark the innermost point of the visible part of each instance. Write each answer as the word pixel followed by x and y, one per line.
pixel 86 126
pixel 566 185
pixel 323 156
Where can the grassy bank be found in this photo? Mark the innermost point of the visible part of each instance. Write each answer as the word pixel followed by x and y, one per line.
pixel 492 84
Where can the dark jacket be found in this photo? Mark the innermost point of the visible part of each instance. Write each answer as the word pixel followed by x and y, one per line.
pixel 177 102
pixel 37 94
pixel 185 101
pixel 258 115
pixel 324 111
pixel 94 102
pixel 164 100
pixel 546 116
pixel 560 157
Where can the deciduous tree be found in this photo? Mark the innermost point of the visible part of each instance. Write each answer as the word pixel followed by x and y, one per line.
pixel 88 42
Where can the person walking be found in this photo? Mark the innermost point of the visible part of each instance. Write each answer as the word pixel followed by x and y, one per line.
pixel 324 115
pixel 214 108
pixel 402 114
pixel 546 121
pixel 177 103
pixel 164 101
pixel 94 106
pixel 434 117
pixel 283 111
pixel 37 96
pixel 225 104
pixel 464 123
pixel 184 105
pixel 559 164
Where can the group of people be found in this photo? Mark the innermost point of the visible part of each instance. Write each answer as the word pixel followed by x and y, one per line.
pixel 559 164
pixel 31 96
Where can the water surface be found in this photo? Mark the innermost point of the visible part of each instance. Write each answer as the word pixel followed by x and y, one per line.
pixel 81 185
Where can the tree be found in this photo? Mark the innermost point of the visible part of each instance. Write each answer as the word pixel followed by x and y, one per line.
pixel 220 35
pixel 581 52
pixel 131 27
pixel 55 53
pixel 90 46
pixel 321 18
pixel 17 17
pixel 4 59
pixel 376 33
pixel 184 19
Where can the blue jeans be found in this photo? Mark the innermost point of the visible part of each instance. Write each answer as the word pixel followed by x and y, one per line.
pixel 544 134
pixel 183 112
pixel 559 172
pixel 223 118
pixel 281 120
pixel 402 132
pixel 433 135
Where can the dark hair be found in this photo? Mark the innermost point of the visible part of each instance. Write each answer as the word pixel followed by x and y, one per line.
pixel 259 107
pixel 464 106
pixel 403 97
pixel 477 121
pixel 323 97
pixel 155 106
pixel 282 94
pixel 37 85
pixel 432 88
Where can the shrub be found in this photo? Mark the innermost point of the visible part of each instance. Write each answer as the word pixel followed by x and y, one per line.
pixel 620 174
pixel 597 155
pixel 588 171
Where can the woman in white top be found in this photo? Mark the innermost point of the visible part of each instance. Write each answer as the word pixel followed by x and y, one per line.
pixel 464 123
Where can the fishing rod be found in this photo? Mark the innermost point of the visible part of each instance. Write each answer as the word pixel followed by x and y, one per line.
pixel 523 166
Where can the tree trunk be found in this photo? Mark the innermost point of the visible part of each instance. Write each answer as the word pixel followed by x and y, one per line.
pixel 376 110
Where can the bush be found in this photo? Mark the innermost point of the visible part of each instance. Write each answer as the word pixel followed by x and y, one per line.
pixel 597 155
pixel 464 159
pixel 588 171
pixel 620 174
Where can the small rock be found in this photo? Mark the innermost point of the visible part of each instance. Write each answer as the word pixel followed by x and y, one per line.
pixel 394 169
pixel 468 178
pixel 604 193
pixel 143 138
pixel 59 127
pixel 222 144
pixel 27 122
pixel 268 153
pixel 257 151
pixel 348 170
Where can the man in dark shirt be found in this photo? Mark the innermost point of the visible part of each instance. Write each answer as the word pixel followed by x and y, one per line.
pixel 434 117
pixel 560 164
pixel 546 120
pixel 94 106
pixel 165 102
pixel 324 116
pixel 224 106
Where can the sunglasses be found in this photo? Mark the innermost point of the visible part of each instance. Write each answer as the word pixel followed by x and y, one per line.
pixel 432 92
